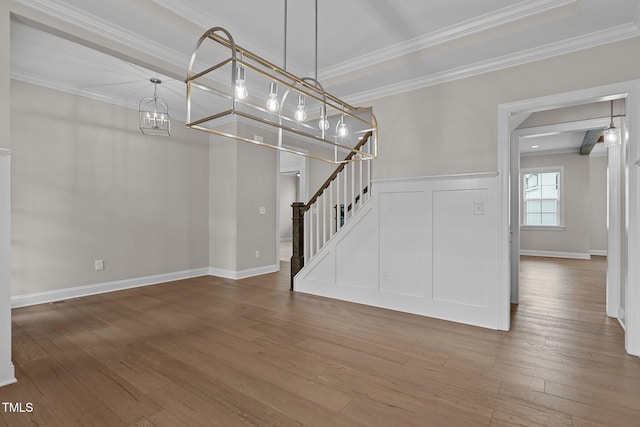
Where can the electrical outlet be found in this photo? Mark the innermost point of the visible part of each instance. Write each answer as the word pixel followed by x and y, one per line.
pixel 257 254
pixel 262 210
pixel 258 138
pixel 385 275
pixel 99 264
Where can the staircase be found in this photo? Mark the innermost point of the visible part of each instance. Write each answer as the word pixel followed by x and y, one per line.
pixel 332 206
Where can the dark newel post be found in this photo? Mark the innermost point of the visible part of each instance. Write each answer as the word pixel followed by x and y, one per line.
pixel 297 259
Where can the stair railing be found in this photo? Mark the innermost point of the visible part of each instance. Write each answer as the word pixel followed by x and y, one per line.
pixel 331 207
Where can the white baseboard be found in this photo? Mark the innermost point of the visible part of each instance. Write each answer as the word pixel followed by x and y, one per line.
pixel 243 274
pixel 8 375
pixel 598 252
pixel 99 288
pixel 553 254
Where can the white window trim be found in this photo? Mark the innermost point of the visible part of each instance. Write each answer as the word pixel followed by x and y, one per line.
pixel 543 169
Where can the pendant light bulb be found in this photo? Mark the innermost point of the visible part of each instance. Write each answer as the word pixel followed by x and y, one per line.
pixel 342 128
pixel 301 115
pixel 241 89
pixel 611 136
pixel 323 124
pixel 612 133
pixel 273 104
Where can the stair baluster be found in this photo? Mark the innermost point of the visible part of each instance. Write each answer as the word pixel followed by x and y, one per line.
pixel 344 194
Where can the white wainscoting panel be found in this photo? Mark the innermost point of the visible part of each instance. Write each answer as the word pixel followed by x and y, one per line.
pixel 403 224
pixel 323 269
pixel 462 239
pixel 425 245
pixel 361 249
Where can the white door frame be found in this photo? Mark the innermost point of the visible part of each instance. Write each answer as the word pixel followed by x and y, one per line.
pixel 509 117
pixel 516 137
pixel 303 191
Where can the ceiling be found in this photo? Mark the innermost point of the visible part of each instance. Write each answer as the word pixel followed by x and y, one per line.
pixel 366 48
pixel 558 143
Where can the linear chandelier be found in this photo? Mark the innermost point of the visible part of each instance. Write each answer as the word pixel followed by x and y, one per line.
pixel 226 81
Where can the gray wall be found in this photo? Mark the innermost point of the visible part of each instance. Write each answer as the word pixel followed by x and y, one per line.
pixel 288 195
pixel 598 205
pixel 575 238
pixel 453 127
pixel 257 185
pixel 223 206
pixel 243 178
pixel 88 185
pixel 158 190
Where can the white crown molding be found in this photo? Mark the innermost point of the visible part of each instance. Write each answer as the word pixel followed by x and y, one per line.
pixel 97 25
pixel 472 26
pixel 575 44
pixel 206 20
pixel 198 17
pixel 55 85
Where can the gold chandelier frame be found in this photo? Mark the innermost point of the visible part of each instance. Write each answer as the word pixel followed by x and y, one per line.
pixel 282 121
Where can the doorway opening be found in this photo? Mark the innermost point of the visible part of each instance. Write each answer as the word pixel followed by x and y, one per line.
pixel 292 187
pixel 562 214
pixel 622 183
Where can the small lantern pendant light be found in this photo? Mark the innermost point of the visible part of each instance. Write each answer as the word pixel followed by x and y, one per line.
pixel 612 133
pixel 154 113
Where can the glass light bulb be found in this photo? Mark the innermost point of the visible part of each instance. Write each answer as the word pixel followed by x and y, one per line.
pixel 273 104
pixel 301 115
pixel 324 124
pixel 342 130
pixel 611 136
pixel 241 90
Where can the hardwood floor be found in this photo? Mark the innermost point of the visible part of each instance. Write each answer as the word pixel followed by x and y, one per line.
pixel 210 351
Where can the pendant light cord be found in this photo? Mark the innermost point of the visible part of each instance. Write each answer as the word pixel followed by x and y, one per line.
pixel 284 67
pixel 611 124
pixel 316 75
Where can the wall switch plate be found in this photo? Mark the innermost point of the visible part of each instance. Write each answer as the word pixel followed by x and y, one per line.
pixel 262 210
pixel 99 264
pixel 478 208
pixel 385 275
pixel 258 254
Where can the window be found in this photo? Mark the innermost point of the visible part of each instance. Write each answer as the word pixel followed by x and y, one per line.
pixel 542 197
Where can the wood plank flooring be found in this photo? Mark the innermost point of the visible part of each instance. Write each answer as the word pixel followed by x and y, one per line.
pixel 210 351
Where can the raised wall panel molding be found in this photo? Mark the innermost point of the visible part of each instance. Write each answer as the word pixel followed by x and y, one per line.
pixel 399 224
